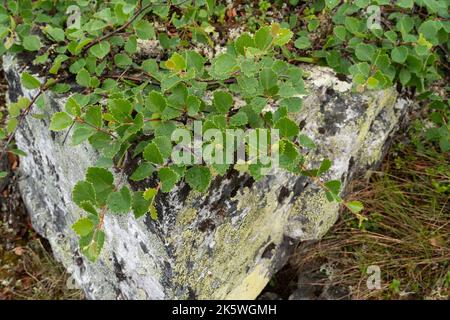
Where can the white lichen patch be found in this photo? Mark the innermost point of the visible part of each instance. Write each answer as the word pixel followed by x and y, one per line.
pixel 325 77
pixel 149 48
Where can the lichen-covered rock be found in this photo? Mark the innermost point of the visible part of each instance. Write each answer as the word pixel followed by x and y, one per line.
pixel 224 244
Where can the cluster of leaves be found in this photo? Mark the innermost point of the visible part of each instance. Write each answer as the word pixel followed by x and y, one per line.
pixel 125 107
pixel 381 43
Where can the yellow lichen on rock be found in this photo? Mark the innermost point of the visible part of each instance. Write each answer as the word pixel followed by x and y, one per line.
pixel 252 285
pixel 219 266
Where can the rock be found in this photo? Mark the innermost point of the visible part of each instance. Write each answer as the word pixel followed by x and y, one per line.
pixel 226 243
pixel 269 296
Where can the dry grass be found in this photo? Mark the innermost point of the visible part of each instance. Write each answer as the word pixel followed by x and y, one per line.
pixel 30 272
pixel 406 234
pixel 27 267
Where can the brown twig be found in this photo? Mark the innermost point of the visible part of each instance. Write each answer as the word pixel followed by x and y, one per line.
pixel 80 120
pixel 22 115
pixel 120 29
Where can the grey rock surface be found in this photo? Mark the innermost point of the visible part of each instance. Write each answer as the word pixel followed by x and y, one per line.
pixel 224 244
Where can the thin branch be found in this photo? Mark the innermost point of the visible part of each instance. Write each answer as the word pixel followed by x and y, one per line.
pixel 67 133
pixel 80 120
pixel 120 29
pixel 22 116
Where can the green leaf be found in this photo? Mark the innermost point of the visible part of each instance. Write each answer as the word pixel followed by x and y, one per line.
pixel 73 107
pixel 415 64
pixel 120 109
pixel 361 68
pixel 83 227
pixel 293 104
pixel 444 143
pixel 306 142
pixel 429 29
pixel 168 179
pixel 239 119
pixel 195 61
pixel 88 207
pixel 156 102
pixel 333 186
pixel 263 38
pixel 92 244
pixel 30 82
pixel 131 45
pixel 57 62
pixel 56 34
pixel 223 66
pixel 119 201
pixel 164 145
pixel 222 101
pixel 171 113
pixel 405 24
pixel 407 4
pixel 404 76
pixel 150 66
pixel 77 66
pixel 355 206
pixel 324 167
pixel 340 32
pixel 32 43
pixel 144 30
pixel 362 3
pixel 281 35
pixel 3 174
pixel 153 212
pixel 83 191
pixel 122 60
pixel 242 42
pixel 193 105
pixel 391 36
pixel 176 63
pixel 302 43
pixel 102 181
pixel 143 171
pixel 289 155
pixel 83 78
pixel 93 116
pixel 373 83
pixel 198 177
pixel 435 6
pixel 81 134
pixel 100 50
pixel 269 80
pixel 139 204
pixel 164 128
pixel 14 109
pixel 399 54
pixel 331 3
pixel 150 194
pixel 60 121
pixel 11 125
pixel 158 150
pixel 352 25
pixel 364 52
pixel 153 154
pixel 287 127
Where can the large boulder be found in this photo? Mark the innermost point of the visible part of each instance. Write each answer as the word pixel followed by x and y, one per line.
pixel 224 244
